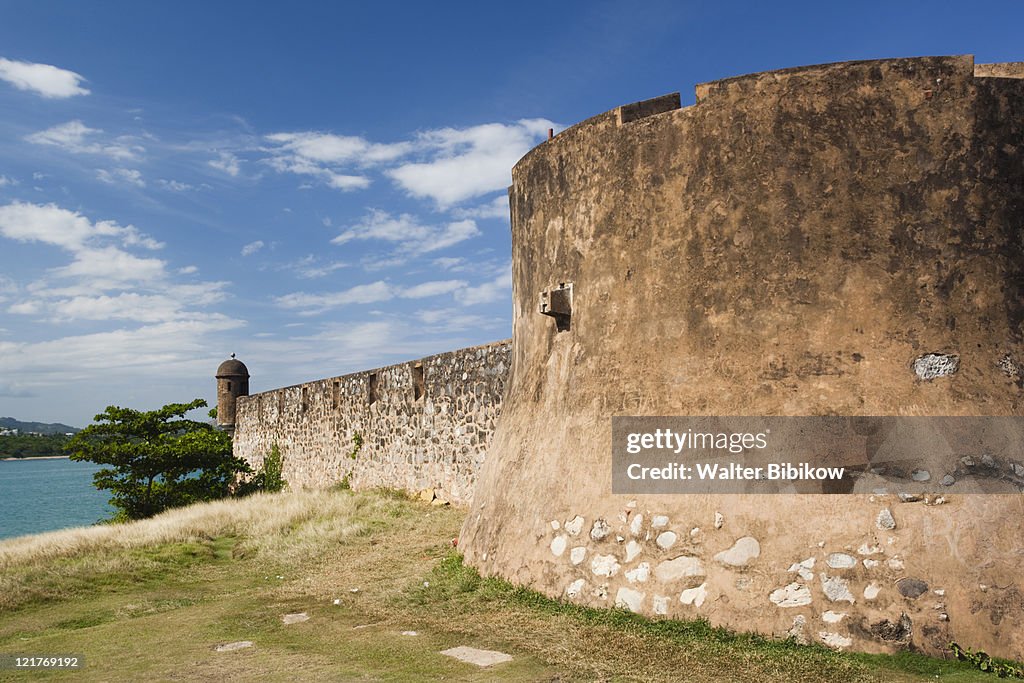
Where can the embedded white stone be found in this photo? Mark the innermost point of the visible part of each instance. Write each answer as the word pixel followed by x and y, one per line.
pixel 871 564
pixel 659 521
pixel 866 549
pixel 831 617
pixel 636 525
pixel 695 532
pixel 640 574
pixel 719 520
pixel 694 596
pixel 666 539
pixel 885 520
pixel 895 563
pixel 632 550
pixel 629 598
pixel 575 588
pixel 678 568
pixel 574 526
pixel 841 561
pixel 836 589
pixel 741 553
pixel 835 640
pixel 604 565
pixel 871 591
pixel 558 544
pixel 803 568
pixel 555 526
pixel 577 554
pixel 660 605
pixel 793 595
pixel 600 530
pixel 481 658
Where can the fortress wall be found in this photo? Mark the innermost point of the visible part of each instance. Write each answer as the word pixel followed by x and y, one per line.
pixel 431 437
pixel 787 246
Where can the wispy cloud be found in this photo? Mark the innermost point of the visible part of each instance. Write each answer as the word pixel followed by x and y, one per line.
pixel 252 248
pixel 226 162
pixel 114 176
pixel 375 292
pixel 488 291
pixel 447 165
pixel 405 230
pixel 496 208
pixel 104 280
pixel 464 163
pixel 310 267
pixel 76 137
pixel 44 80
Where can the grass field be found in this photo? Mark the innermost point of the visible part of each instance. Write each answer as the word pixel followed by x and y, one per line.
pixel 150 601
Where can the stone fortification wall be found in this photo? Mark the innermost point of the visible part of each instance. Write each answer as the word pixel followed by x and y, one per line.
pixel 790 245
pixel 423 424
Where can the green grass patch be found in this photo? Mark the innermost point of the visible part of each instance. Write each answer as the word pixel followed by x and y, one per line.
pixel 366 567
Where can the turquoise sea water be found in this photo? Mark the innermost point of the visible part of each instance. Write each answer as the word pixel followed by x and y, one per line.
pixel 43 495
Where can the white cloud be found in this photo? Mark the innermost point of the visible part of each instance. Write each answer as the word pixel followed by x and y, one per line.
pixel 109 267
pixel 447 165
pixel 69 230
pixel 174 185
pixel 252 248
pixel 406 230
pixel 103 281
pixel 489 291
pixel 188 270
pixel 496 208
pixel 45 80
pixel 310 267
pixel 76 137
pixel 374 292
pixel 468 162
pixel 429 289
pixel 5 181
pixel 315 303
pixel 302 166
pixel 327 148
pixel 121 175
pixel 227 163
pixel 449 262
pixel 325 156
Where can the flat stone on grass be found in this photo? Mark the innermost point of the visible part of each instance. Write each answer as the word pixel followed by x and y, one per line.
pixel 296 618
pixel 472 655
pixel 230 647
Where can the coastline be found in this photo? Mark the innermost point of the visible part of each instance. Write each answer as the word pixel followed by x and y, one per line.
pixel 37 457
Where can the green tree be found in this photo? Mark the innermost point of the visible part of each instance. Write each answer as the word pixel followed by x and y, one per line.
pixel 269 478
pixel 158 459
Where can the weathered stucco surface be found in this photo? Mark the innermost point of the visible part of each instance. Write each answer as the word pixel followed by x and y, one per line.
pixel 796 243
pixel 431 437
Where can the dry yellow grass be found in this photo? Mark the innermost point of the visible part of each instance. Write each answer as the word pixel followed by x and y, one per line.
pixel 367 567
pixel 257 518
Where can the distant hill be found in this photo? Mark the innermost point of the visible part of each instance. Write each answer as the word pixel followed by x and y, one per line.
pixel 40 427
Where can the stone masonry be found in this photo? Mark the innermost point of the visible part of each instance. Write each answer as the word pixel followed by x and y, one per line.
pixel 423 424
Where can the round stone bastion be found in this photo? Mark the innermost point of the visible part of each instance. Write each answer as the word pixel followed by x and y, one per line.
pixel 843 239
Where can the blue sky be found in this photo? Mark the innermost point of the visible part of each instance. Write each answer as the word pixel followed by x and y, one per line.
pixel 320 187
